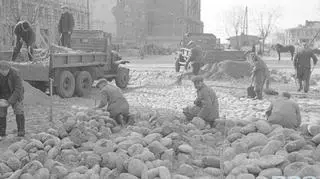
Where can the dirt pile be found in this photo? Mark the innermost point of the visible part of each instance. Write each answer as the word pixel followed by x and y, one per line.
pixel 34 96
pixel 228 68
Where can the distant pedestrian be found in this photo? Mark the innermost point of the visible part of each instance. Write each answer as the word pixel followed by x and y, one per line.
pixel 259 76
pixel 302 66
pixel 11 92
pixel 66 25
pixel 284 112
pixel 24 33
pixel 206 105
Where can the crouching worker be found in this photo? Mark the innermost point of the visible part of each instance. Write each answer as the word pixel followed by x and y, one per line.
pixel 206 105
pixel 113 100
pixel 11 92
pixel 284 112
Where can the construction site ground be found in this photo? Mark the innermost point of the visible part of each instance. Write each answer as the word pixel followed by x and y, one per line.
pixel 150 90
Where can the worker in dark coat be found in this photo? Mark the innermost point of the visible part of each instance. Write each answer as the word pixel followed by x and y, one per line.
pixel 23 33
pixel 284 112
pixel 66 25
pixel 113 100
pixel 259 76
pixel 195 60
pixel 302 66
pixel 206 105
pixel 11 91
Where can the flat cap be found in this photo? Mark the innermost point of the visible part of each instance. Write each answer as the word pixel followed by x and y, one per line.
pixel 197 78
pixel 4 65
pixel 98 82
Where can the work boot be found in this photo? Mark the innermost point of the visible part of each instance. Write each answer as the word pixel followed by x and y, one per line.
pixel 3 127
pixel 20 125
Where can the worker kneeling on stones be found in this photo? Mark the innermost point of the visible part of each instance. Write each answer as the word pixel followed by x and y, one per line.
pixel 260 75
pixel 206 103
pixel 284 112
pixel 11 93
pixel 113 100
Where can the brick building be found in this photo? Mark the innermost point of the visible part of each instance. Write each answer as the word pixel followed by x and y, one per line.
pixel 161 22
pixel 48 17
pixel 303 33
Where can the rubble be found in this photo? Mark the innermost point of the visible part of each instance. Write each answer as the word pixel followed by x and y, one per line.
pixel 83 145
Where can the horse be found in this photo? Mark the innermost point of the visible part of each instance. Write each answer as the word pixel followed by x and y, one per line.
pixel 280 49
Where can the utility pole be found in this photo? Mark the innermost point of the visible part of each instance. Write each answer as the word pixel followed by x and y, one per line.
pixel 88 8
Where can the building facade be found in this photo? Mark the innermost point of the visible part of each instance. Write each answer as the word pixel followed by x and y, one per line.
pixel 48 15
pixel 102 17
pixel 303 33
pixel 161 22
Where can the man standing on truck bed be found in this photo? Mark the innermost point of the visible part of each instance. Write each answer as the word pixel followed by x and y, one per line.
pixel 194 60
pixel 11 92
pixel 24 33
pixel 66 25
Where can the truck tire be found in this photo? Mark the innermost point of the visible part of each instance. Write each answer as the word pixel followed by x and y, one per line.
pixel 66 84
pixel 83 83
pixel 122 78
pixel 177 65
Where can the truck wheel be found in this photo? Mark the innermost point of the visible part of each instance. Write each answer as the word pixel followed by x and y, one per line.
pixel 177 65
pixel 83 83
pixel 122 78
pixel 66 85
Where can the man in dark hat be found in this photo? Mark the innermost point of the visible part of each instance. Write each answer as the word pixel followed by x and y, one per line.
pixel 113 100
pixel 284 112
pixel 65 27
pixel 194 59
pixel 302 66
pixel 206 105
pixel 11 91
pixel 24 33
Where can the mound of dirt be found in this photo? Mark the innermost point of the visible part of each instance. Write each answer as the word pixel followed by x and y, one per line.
pixel 33 96
pixel 228 68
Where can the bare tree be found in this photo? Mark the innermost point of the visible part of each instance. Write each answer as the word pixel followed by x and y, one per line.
pixel 266 22
pixel 233 21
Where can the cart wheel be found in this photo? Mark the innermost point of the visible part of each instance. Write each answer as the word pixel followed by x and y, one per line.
pixel 177 65
pixel 122 78
pixel 83 83
pixel 66 85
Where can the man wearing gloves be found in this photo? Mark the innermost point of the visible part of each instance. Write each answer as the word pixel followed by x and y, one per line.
pixel 206 103
pixel 11 94
pixel 113 100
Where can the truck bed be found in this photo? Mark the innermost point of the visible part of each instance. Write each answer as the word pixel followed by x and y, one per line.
pixel 39 70
pixel 33 72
